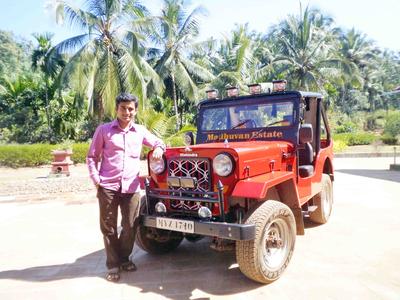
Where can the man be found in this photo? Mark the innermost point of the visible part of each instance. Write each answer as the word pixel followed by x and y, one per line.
pixel 113 162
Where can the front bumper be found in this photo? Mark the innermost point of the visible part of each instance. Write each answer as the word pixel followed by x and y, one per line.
pixel 230 231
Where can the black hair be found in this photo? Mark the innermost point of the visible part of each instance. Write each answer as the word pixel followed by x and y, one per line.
pixel 126 97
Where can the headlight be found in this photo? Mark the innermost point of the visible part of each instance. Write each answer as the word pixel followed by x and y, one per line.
pixel 223 164
pixel 157 166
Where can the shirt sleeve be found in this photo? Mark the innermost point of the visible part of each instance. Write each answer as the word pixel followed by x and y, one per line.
pixel 94 155
pixel 151 140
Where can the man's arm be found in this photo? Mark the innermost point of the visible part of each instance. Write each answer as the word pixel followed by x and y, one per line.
pixel 94 156
pixel 154 142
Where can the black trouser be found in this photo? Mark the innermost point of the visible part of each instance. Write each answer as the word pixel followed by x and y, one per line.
pixel 118 248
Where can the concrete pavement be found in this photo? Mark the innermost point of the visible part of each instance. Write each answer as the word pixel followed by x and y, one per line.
pixel 52 249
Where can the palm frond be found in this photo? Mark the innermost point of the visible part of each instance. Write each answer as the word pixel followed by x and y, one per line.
pixel 184 81
pixel 71 44
pixel 197 70
pixel 74 62
pixel 75 17
pixel 190 27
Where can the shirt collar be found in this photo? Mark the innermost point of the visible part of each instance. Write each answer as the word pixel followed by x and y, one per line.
pixel 115 124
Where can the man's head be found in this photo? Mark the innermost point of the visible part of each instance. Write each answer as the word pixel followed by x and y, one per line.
pixel 126 105
pixel 126 97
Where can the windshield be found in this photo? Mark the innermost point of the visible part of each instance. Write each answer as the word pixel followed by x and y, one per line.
pixel 248 116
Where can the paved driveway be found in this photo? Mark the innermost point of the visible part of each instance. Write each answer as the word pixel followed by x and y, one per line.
pixel 53 250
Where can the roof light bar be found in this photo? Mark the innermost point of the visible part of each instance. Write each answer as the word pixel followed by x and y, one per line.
pixel 212 94
pixel 279 85
pixel 254 88
pixel 232 91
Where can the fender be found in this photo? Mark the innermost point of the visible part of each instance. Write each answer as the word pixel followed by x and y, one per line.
pixel 257 186
pixel 141 181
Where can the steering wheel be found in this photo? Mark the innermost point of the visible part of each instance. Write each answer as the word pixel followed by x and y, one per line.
pixel 252 124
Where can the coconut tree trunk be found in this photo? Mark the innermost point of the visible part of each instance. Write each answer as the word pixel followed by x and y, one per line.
pixel 371 99
pixel 47 110
pixel 174 97
pixel 99 109
pixel 181 118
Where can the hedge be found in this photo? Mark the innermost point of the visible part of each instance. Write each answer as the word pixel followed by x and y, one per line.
pixel 16 155
pixel 358 138
pixel 389 140
pixel 339 146
pixel 32 155
pixel 79 152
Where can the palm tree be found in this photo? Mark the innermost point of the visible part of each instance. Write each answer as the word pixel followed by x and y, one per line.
pixel 163 126
pixel 106 58
pixel 373 85
pixel 390 80
pixel 176 33
pixel 49 65
pixel 303 47
pixel 236 61
pixel 354 53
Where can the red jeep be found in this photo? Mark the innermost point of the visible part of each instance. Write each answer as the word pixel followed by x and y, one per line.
pixel 260 163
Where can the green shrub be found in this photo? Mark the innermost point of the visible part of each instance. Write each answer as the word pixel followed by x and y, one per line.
pixel 362 138
pixel 389 140
pixel 347 126
pixel 339 146
pixel 24 155
pixel 32 155
pixel 79 152
pixel 344 137
pixel 392 124
pixel 357 138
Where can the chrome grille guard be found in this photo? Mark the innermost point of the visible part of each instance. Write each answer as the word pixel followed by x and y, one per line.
pixel 185 195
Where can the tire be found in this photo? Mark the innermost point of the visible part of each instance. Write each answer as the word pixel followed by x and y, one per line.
pixel 193 238
pixel 157 241
pixel 324 201
pixel 262 260
pixel 154 240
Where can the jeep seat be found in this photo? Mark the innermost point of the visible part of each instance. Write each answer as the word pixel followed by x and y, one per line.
pixel 306 157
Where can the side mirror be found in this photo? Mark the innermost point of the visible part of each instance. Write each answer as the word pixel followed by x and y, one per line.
pixel 188 138
pixel 305 133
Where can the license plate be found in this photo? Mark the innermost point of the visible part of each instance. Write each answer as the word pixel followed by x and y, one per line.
pixel 175 225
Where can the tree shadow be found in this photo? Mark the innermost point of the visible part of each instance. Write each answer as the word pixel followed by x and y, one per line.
pixel 377 174
pixel 78 268
pixel 175 275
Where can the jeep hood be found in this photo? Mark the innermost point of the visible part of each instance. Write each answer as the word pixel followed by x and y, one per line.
pixel 251 158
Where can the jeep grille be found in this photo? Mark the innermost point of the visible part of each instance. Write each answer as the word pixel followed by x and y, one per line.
pixel 198 168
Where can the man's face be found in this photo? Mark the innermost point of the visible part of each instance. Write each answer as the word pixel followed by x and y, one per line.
pixel 126 112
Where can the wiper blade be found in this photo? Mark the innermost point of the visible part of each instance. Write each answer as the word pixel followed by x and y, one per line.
pixel 256 134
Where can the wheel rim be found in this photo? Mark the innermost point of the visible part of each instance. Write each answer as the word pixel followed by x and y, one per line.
pixel 326 199
pixel 276 244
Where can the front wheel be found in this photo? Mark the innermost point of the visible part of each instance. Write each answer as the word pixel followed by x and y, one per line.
pixel 157 241
pixel 154 240
pixel 266 257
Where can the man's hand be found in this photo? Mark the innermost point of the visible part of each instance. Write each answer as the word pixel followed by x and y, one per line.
pixel 158 152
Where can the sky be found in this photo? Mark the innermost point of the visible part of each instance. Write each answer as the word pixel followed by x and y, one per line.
pixel 379 20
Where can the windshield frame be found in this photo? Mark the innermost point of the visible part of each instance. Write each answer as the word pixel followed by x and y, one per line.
pixel 287 132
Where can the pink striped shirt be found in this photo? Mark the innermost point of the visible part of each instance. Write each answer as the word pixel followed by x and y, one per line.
pixel 113 157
